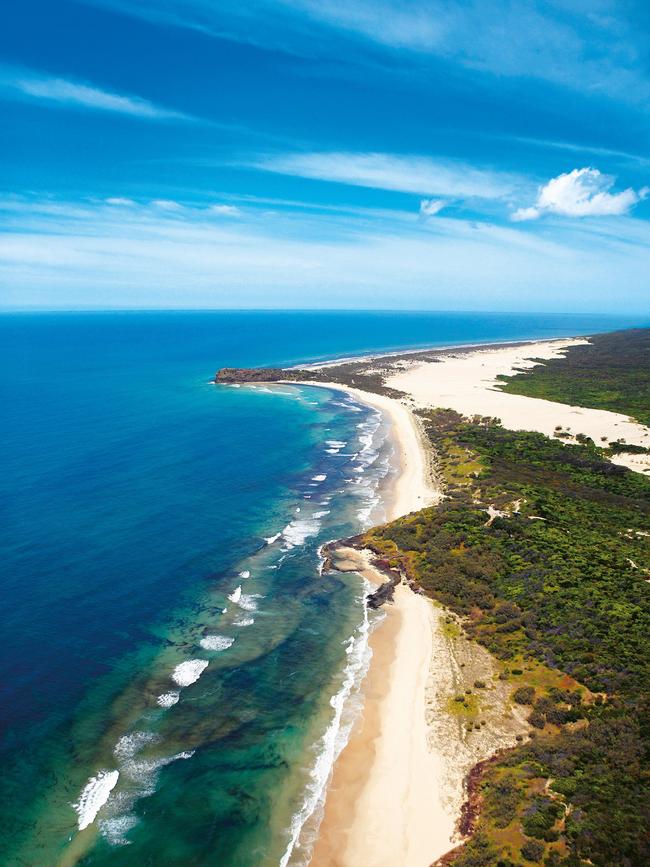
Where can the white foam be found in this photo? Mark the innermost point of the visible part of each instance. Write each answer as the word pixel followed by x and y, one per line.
pixel 321 514
pixel 335 444
pixel 298 531
pixel 249 601
pixel 235 595
pixel 319 478
pixel 141 775
pixel 189 672
pixel 144 772
pixel 332 451
pixel 243 621
pixel 168 699
pixel 271 539
pixel 364 514
pixel 336 735
pixel 245 574
pixel 128 745
pixel 93 797
pixel 116 828
pixel 216 642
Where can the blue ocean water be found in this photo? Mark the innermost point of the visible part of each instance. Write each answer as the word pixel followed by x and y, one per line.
pixel 174 668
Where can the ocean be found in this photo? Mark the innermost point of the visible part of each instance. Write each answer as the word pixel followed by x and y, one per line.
pixel 177 677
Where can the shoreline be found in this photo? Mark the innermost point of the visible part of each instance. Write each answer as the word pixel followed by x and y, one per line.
pixel 397 788
pixel 429 350
pixel 414 487
pixel 388 755
pixel 387 801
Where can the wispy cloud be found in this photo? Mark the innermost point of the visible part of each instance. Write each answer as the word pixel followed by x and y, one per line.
pixel 580 148
pixel 89 253
pixel 581 193
pixel 32 85
pixel 589 45
pixel 408 174
pixel 225 210
pixel 167 204
pixel 431 207
pixel 586 45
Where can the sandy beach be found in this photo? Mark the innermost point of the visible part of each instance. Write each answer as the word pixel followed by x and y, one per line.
pixel 385 803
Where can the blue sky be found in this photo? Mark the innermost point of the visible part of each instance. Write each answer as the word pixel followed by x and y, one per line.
pixel 450 155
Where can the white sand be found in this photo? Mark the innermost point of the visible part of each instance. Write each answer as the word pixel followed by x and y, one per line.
pixel 399 818
pixel 385 805
pixel 468 383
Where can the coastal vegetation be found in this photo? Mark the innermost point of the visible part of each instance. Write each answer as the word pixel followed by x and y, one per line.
pixel 610 372
pixel 542 550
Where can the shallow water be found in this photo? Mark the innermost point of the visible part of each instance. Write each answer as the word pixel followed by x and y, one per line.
pixel 153 523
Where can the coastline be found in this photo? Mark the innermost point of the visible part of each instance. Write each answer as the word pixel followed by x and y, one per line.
pixel 378 808
pixel 414 487
pixel 397 789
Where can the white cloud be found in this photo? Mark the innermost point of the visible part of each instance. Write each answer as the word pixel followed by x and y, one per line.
pixel 403 173
pixel 119 201
pixel 225 210
pixel 166 205
pixel 73 94
pixel 581 193
pixel 430 207
pixel 89 254
pixel 522 214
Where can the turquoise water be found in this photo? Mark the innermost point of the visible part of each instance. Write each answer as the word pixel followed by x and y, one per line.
pixel 137 498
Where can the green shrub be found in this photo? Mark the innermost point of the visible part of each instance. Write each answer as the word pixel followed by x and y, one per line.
pixel 532 850
pixel 524 695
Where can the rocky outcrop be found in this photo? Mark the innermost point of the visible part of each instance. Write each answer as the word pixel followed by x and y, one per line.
pixel 229 375
pixel 336 557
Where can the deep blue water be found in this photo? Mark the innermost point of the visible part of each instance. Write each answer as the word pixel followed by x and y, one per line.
pixel 133 494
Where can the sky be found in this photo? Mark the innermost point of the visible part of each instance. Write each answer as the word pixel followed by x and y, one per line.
pixel 395 154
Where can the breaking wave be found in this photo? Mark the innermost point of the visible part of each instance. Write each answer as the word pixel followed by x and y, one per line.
pixel 189 672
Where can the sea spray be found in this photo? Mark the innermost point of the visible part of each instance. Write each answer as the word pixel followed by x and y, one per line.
pixel 235 596
pixel 216 642
pixel 187 673
pixel 93 796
